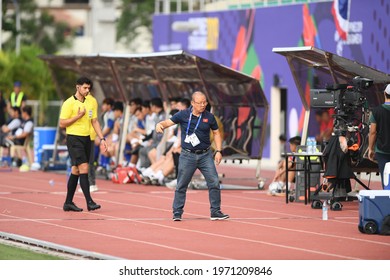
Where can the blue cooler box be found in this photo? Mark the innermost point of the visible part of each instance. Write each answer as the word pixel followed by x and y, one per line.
pixel 42 136
pixel 60 160
pixel 374 206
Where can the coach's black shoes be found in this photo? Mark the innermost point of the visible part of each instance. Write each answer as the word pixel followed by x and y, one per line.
pixel 71 207
pixel 219 216
pixel 176 217
pixel 93 206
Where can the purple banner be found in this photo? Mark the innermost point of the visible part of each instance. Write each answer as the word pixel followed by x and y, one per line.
pixel 244 39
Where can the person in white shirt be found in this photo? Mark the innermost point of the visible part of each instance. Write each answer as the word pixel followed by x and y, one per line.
pixel 10 128
pixel 25 129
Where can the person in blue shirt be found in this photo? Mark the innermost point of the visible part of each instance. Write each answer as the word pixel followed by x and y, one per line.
pixel 195 124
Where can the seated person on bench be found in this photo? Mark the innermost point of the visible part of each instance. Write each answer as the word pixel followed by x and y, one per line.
pixel 22 133
pixel 8 130
pixel 25 129
pixel 279 181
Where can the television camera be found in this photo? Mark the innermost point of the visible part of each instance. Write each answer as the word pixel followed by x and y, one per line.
pixel 351 112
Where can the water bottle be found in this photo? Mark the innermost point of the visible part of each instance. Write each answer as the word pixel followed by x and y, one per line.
pixel 325 211
pixel 313 145
pixel 309 145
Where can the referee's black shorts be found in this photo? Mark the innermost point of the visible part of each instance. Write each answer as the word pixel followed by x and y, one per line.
pixel 79 149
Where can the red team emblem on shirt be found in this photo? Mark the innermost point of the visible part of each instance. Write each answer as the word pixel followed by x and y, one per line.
pixel 205 120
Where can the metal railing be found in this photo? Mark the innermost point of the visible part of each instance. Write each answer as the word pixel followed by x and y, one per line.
pixel 179 6
pixel 50 114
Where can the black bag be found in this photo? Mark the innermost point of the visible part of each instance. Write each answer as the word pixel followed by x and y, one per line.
pixel 385 229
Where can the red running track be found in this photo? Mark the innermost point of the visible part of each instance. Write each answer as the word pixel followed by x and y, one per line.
pixel 135 222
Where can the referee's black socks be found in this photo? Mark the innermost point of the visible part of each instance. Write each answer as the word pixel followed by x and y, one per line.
pixel 84 183
pixel 72 185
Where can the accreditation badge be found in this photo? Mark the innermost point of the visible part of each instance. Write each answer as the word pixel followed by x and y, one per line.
pixel 194 140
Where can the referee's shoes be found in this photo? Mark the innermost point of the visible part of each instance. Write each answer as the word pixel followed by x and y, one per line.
pixel 71 207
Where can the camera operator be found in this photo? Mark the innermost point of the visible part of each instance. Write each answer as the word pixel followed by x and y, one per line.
pixel 379 135
pixel 324 118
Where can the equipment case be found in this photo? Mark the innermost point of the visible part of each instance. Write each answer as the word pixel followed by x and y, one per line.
pixel 374 211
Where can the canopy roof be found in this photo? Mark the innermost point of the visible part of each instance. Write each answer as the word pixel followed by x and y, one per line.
pixel 165 74
pixel 315 68
pixel 329 69
pixel 176 74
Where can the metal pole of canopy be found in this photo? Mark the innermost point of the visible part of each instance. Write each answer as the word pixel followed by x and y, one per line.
pixel 123 132
pixel 303 99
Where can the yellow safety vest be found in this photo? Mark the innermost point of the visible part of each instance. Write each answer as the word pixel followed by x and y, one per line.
pixel 312 158
pixel 16 102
